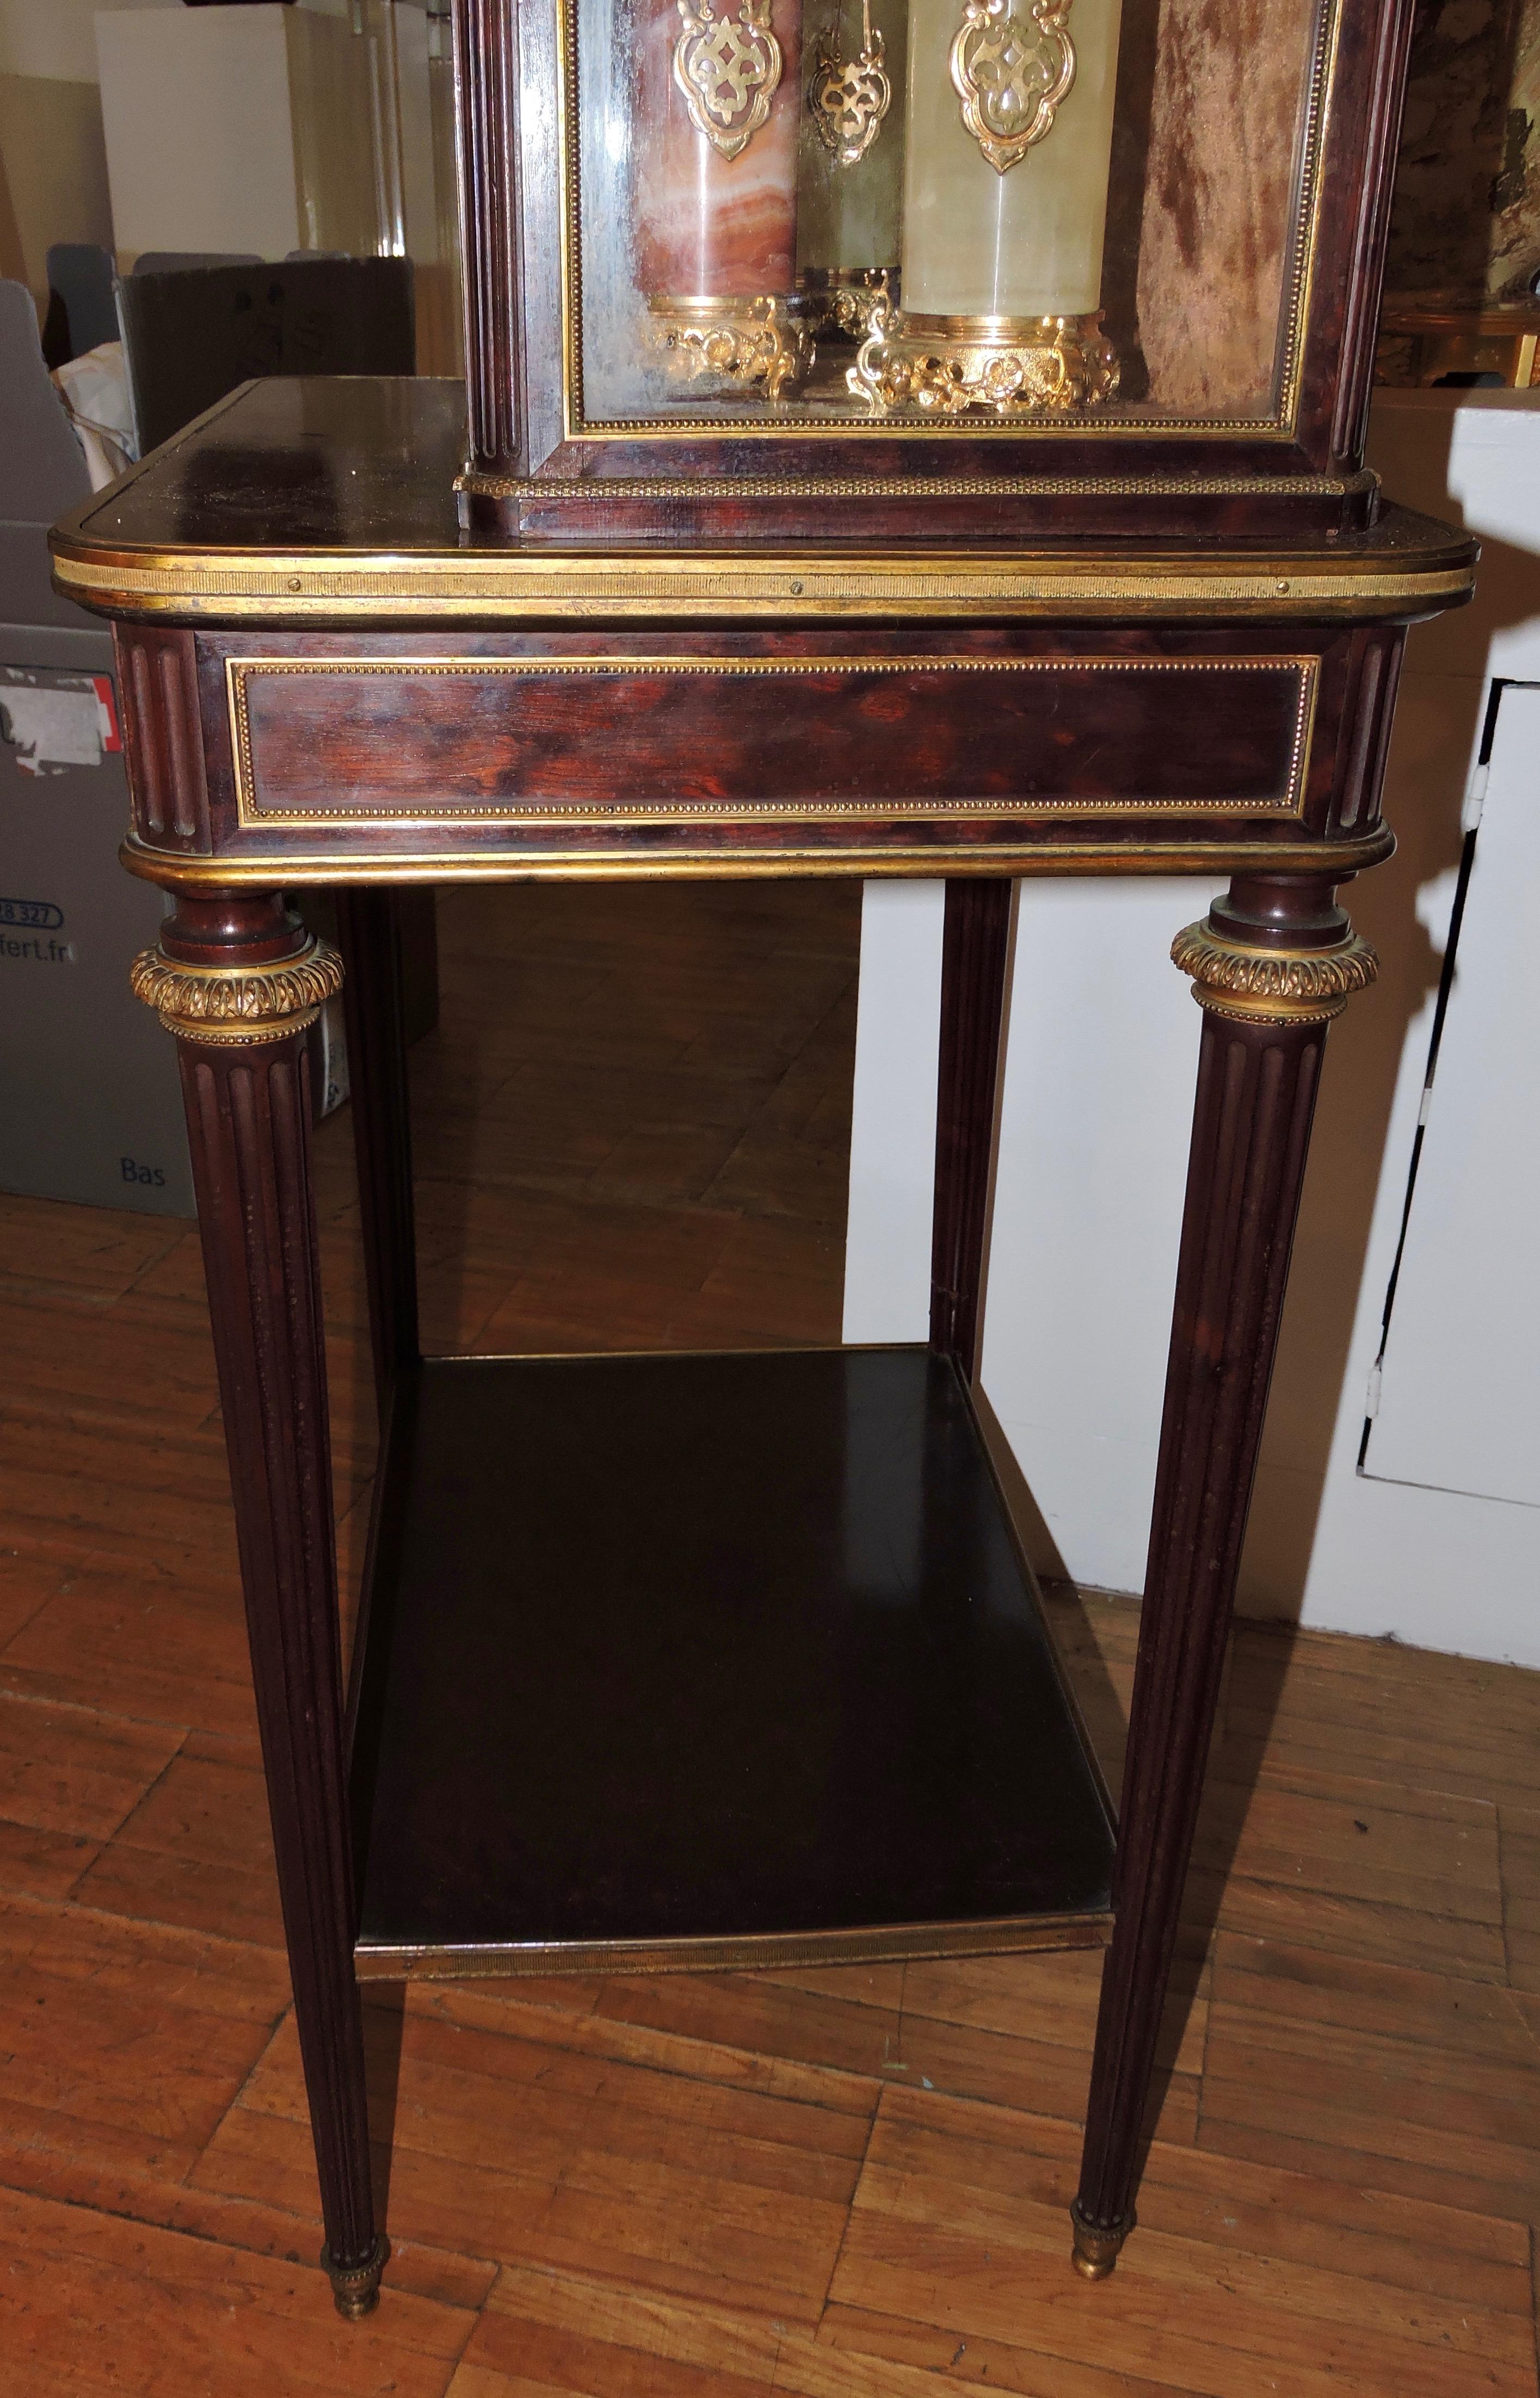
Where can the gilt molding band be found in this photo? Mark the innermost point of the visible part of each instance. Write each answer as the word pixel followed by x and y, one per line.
pixel 237 1007
pixel 1257 986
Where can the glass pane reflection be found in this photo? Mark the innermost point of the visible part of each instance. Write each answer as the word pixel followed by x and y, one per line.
pixel 973 213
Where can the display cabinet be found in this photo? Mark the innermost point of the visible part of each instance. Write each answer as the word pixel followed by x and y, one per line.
pixel 984 267
pixel 900 441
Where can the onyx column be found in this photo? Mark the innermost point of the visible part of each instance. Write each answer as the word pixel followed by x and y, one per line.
pixel 1275 960
pixel 240 983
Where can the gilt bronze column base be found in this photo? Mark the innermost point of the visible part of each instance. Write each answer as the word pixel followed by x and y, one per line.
pixel 1012 366
pixel 235 1006
pixel 763 344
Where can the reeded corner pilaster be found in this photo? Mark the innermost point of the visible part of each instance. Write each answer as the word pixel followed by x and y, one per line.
pixel 237 1006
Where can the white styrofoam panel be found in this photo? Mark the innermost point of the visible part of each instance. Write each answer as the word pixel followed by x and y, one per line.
pixel 1460 1397
pixel 1431 1566
pixel 1095 1107
pixel 1435 1567
pixel 892 1125
pixel 1101 1057
pixel 1089 1176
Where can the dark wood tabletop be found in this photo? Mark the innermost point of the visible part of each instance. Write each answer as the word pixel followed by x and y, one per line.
pixel 333 500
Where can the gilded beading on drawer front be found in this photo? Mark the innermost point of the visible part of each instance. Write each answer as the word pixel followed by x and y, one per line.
pixel 262 798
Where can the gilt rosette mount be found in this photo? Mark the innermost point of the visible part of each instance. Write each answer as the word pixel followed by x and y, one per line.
pixel 1268 986
pixel 1013 366
pixel 237 1007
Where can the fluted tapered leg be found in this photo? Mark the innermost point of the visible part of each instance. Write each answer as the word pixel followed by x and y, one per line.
pixel 1273 964
pixel 239 984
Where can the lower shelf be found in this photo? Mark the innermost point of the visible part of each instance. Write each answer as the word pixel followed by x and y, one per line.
pixel 710 1660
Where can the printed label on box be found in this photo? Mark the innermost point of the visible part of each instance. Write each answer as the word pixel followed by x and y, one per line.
pixel 54 720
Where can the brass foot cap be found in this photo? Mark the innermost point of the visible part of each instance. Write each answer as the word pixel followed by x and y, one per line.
pixel 1094 2250
pixel 356 2288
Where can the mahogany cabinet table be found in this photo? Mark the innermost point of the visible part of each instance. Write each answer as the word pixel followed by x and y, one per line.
pixel 753 557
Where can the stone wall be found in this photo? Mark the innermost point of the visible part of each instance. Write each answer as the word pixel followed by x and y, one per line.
pixel 1467 221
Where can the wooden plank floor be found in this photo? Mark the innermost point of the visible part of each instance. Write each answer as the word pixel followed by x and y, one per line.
pixel 848 2184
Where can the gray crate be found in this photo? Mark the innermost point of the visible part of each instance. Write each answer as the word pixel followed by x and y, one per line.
pixel 90 1105
pixel 90 1102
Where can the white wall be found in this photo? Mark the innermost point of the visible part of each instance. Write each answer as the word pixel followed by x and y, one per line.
pixel 1100 1055
pixel 57 39
pixel 200 145
pixel 53 166
pixel 892 1129
pixel 254 129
